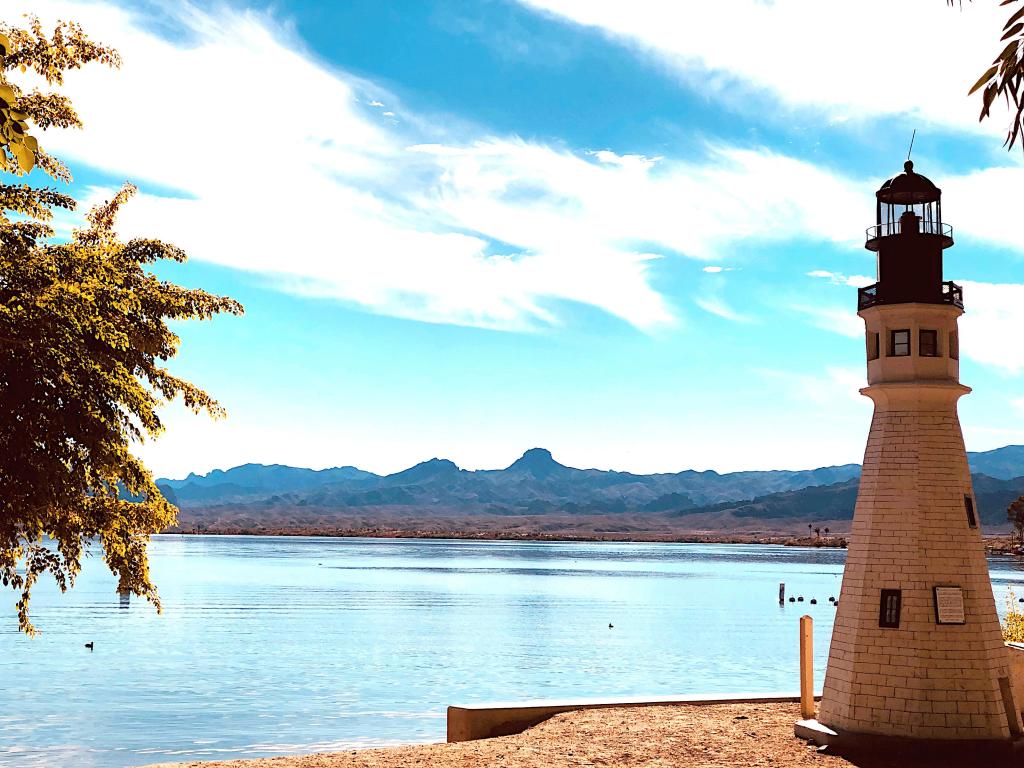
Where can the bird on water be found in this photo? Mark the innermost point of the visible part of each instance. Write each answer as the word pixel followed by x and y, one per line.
pixel 89 645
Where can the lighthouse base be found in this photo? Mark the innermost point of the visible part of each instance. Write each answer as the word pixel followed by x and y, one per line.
pixel 943 751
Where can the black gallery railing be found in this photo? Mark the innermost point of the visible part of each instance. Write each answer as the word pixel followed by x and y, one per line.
pixel 869 297
pixel 923 228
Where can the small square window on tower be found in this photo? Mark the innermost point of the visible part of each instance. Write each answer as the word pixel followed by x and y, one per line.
pixel 873 345
pixel 954 345
pixel 928 343
pixel 899 343
pixel 889 609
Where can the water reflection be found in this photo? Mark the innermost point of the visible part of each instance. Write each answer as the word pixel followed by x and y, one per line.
pixel 277 645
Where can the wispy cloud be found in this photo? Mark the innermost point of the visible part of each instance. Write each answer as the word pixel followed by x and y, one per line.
pixel 841 320
pixel 810 54
pixel 837 384
pixel 430 219
pixel 985 204
pixel 435 221
pixel 991 329
pixel 837 278
pixel 717 306
pixel 637 162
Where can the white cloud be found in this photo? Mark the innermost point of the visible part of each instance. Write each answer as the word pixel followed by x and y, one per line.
pixel 282 173
pixel 992 328
pixel 850 61
pixel 435 222
pixel 839 320
pixel 985 205
pixel 636 162
pixel 509 187
pixel 837 385
pixel 716 306
pixel 837 278
pixel 715 269
pixel 431 222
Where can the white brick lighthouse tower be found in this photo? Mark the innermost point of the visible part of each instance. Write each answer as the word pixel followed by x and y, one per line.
pixel 916 650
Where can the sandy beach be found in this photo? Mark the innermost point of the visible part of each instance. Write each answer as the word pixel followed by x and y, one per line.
pixel 745 735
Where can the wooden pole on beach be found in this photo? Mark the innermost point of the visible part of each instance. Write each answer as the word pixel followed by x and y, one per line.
pixel 782 592
pixel 807 668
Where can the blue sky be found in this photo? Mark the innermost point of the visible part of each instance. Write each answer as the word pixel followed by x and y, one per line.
pixel 628 232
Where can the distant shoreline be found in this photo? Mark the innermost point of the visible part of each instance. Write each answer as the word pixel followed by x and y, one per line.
pixel 831 542
pixel 995 544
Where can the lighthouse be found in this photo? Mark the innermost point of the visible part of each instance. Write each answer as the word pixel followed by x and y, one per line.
pixel 917 651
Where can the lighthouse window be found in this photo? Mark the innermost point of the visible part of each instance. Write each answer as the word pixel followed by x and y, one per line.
pixel 889 609
pixel 928 343
pixel 972 521
pixel 899 343
pixel 872 346
pixel 954 345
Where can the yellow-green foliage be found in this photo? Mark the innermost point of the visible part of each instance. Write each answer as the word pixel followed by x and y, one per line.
pixel 83 342
pixel 1013 627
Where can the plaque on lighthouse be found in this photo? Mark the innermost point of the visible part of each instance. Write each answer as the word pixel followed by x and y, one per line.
pixel 949 605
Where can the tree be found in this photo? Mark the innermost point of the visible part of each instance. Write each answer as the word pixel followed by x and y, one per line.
pixel 83 342
pixel 1005 77
pixel 817 531
pixel 1015 514
pixel 826 532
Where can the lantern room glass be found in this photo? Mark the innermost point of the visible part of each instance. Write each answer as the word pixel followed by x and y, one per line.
pixel 929 217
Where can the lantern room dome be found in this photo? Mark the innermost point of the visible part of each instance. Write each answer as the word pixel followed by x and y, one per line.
pixel 908 188
pixel 909 237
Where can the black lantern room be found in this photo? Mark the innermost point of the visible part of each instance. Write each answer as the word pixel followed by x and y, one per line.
pixel 909 238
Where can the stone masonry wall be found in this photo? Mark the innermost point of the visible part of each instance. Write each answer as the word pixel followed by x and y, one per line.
pixel 910 532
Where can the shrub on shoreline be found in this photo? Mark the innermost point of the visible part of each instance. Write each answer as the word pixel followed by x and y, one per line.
pixel 1013 626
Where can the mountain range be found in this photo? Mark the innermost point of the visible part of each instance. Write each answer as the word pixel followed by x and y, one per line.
pixel 536 491
pixel 836 502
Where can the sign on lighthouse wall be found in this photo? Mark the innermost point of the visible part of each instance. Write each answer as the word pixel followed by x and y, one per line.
pixel 949 605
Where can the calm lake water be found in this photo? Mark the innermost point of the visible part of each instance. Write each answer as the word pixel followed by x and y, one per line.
pixel 270 645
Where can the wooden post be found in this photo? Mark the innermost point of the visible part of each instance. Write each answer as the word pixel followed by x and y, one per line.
pixel 807 668
pixel 782 592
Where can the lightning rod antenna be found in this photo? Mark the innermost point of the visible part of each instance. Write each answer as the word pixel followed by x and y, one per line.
pixel 912 137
